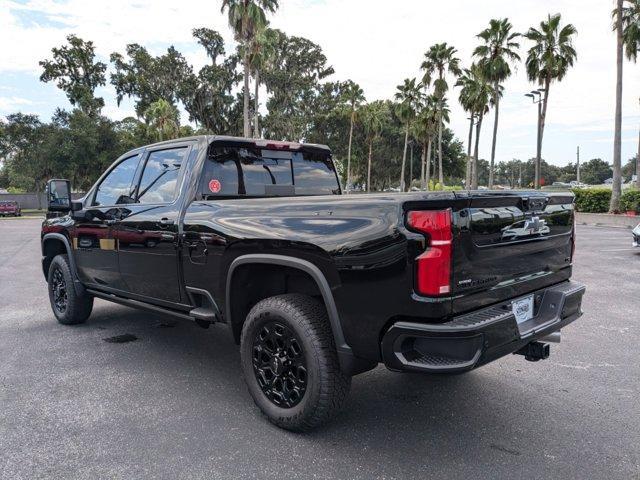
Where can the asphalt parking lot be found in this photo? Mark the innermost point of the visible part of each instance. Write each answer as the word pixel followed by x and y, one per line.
pixel 173 404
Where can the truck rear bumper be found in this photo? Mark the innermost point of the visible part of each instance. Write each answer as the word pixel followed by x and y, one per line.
pixel 479 337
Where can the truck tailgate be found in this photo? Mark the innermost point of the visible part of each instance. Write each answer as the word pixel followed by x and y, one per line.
pixel 508 244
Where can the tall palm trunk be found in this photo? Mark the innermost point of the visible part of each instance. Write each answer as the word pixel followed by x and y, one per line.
pixel 474 170
pixel 245 108
pixel 427 176
pixel 423 161
pixel 467 178
pixel 256 104
pixel 440 173
pixel 353 114
pixel 616 190
pixel 404 157
pixel 496 103
pixel 638 163
pixel 369 164
pixel 542 121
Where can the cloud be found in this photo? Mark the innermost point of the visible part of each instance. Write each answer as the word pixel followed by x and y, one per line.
pixel 375 43
pixel 11 104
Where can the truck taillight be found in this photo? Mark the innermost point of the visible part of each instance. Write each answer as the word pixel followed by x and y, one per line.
pixel 433 267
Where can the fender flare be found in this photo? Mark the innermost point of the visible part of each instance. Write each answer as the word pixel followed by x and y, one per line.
pixel 78 286
pixel 344 350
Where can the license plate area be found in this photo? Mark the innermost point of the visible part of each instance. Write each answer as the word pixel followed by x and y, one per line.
pixel 522 309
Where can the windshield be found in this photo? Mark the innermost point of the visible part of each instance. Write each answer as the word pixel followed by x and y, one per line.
pixel 236 171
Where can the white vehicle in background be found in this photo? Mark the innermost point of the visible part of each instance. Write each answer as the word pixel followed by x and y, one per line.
pixel 636 236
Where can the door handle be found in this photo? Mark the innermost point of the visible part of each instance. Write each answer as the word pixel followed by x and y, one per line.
pixel 166 222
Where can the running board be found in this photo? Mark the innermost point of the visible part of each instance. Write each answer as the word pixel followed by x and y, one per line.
pixel 138 304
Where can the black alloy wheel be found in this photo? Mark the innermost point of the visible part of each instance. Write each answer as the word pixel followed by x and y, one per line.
pixel 59 287
pixel 279 364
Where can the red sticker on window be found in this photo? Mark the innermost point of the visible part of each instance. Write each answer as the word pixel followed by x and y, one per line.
pixel 215 186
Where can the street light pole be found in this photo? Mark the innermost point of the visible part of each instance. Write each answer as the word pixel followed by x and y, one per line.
pixel 538 97
pixel 578 164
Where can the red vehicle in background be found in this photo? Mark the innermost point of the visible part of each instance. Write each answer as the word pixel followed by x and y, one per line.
pixel 10 208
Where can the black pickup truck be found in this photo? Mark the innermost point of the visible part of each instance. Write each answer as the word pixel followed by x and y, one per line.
pixel 316 286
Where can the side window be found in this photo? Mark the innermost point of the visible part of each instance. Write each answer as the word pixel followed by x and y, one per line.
pixel 116 186
pixel 314 175
pixel 160 176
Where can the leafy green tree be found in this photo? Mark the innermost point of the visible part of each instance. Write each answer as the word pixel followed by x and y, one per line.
pixel 409 94
pixel 207 96
pixel 439 60
pixel 498 50
pixel 132 133
pixel 293 81
pixel 83 146
pixel 147 78
pixel 630 168
pixel 355 97
pixel 373 117
pixel 30 159
pixel 549 58
pixel 246 18
pixel 595 171
pixel 162 120
pixel 77 73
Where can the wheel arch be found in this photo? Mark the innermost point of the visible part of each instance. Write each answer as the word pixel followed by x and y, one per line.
pixel 348 362
pixel 57 244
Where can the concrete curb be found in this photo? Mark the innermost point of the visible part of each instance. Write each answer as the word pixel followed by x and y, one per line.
pixel 607 220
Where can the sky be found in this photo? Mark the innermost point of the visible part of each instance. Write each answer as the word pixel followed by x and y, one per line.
pixel 376 44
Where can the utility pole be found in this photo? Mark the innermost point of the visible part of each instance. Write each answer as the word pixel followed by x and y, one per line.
pixel 520 177
pixel 578 164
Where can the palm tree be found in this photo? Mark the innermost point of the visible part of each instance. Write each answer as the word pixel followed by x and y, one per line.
pixel 616 187
pixel 354 96
pixel 475 96
pixel 261 50
pixel 440 59
pixel 373 116
pixel 548 60
pixel 409 95
pixel 466 81
pixel 631 41
pixel 494 56
pixel 426 127
pixel 162 120
pixel 246 17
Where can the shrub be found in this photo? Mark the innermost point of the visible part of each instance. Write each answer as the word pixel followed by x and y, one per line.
pixel 592 200
pixel 630 200
pixel 438 186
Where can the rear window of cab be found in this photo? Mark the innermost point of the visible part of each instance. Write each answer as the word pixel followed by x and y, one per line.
pixel 256 172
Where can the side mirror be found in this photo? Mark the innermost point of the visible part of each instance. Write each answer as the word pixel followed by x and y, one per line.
pixel 59 195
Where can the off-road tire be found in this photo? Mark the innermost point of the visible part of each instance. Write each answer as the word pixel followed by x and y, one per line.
pixel 326 386
pixel 78 306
